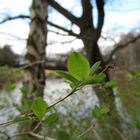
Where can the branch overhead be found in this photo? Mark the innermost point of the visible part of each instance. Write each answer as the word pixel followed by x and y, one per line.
pixel 64 12
pixel 87 17
pixel 101 14
pixel 14 18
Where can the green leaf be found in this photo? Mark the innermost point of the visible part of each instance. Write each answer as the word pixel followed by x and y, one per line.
pixel 10 86
pixel 24 90
pixel 25 137
pixel 111 84
pixel 95 79
pixel 18 107
pixel 28 103
pixel 20 118
pixel 63 135
pixel 67 76
pixel 51 118
pixel 94 68
pixel 78 66
pixel 100 112
pixel 39 107
pixel 135 74
pixel 99 77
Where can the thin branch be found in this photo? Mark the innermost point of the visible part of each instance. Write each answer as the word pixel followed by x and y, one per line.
pixel 70 32
pixel 14 18
pixel 62 42
pixel 54 104
pixel 31 64
pixel 64 12
pixel 40 136
pixel 5 134
pixel 120 46
pixel 6 123
pixel 32 134
pixel 86 131
pixel 117 131
pixel 37 126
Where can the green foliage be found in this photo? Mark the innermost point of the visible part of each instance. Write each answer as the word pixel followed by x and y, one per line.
pixel 10 86
pixel 96 78
pixel 24 90
pixel 8 76
pixel 68 76
pixel 79 74
pixel 78 66
pixel 8 57
pixel 63 135
pixel 111 84
pixel 52 118
pixel 25 137
pixel 99 112
pixel 39 107
pixel 79 71
pixel 135 74
pixel 21 118
pixel 94 68
pixel 28 103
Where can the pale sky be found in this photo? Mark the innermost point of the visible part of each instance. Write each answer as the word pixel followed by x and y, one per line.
pixel 120 17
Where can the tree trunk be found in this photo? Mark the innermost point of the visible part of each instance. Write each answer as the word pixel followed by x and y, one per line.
pixel 105 95
pixel 36 46
pixel 36 52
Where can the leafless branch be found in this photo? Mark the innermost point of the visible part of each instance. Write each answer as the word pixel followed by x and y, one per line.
pixel 5 134
pixel 70 32
pixel 14 18
pixel 63 11
pixel 32 134
pixel 101 13
pixel 31 64
pixel 120 46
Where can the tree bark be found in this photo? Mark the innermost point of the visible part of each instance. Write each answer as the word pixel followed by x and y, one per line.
pixel 36 46
pixel 36 53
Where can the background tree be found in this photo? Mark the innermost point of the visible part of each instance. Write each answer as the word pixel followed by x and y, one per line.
pixel 90 34
pixel 8 57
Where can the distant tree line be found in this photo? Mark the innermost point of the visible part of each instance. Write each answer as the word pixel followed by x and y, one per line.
pixel 8 57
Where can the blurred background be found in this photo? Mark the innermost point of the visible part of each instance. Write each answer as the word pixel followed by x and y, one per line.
pixel 105 30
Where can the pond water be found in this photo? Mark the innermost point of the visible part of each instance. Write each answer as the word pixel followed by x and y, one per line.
pixel 79 103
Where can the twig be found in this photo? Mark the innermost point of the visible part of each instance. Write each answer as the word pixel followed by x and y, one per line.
pixel 119 46
pixel 96 134
pixel 40 136
pixel 54 104
pixel 4 133
pixel 6 123
pixel 36 127
pixel 86 131
pixel 106 68
pixel 117 131
pixel 32 134
pixel 31 64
